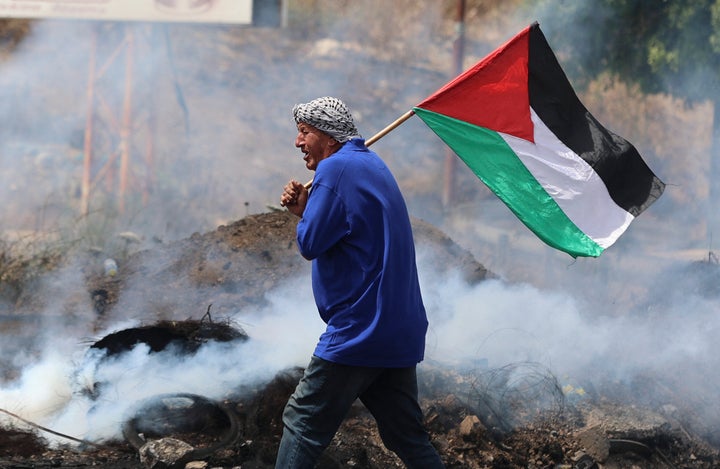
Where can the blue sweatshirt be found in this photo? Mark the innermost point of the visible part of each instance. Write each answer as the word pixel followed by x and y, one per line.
pixel 357 231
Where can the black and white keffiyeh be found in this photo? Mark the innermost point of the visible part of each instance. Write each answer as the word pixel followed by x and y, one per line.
pixel 329 115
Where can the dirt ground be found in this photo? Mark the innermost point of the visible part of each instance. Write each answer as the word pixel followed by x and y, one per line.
pixel 208 275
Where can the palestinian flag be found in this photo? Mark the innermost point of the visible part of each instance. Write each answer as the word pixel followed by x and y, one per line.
pixel 516 121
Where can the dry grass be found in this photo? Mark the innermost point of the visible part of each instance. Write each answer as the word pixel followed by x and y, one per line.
pixel 23 258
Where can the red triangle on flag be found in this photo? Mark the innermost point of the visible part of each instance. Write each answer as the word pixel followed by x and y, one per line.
pixel 493 93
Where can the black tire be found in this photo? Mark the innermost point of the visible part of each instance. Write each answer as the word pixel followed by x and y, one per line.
pixel 131 430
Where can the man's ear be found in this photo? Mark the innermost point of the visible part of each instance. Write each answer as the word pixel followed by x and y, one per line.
pixel 332 143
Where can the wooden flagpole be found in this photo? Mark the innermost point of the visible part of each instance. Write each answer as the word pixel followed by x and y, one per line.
pixel 389 128
pixel 395 124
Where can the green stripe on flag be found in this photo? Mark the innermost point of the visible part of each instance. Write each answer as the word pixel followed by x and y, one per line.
pixel 494 162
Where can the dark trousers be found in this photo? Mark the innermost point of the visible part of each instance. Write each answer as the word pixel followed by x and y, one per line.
pixel 324 396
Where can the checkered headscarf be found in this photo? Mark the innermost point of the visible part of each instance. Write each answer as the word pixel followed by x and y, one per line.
pixel 329 115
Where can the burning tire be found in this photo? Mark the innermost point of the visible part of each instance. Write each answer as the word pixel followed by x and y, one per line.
pixel 181 338
pixel 186 336
pixel 180 414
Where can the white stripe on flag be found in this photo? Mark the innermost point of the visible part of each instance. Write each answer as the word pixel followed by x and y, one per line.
pixel 572 183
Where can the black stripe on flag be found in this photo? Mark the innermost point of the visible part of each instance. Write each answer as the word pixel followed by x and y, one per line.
pixel 630 182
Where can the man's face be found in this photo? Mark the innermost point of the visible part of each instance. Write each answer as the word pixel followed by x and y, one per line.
pixel 315 144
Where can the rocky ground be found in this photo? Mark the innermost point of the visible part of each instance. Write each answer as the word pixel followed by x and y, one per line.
pixel 476 418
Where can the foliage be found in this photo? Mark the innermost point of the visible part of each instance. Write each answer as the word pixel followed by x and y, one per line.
pixel 12 32
pixel 668 46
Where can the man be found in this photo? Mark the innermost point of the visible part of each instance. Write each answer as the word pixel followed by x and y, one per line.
pixel 355 228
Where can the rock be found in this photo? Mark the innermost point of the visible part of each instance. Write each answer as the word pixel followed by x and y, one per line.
pixel 628 422
pixel 471 429
pixel 196 465
pixel 165 453
pixel 595 443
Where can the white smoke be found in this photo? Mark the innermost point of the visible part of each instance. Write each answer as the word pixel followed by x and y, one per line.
pixel 505 323
pixel 492 322
pixel 55 390
pixel 578 318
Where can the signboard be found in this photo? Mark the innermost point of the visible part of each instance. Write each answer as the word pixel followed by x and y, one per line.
pixel 198 11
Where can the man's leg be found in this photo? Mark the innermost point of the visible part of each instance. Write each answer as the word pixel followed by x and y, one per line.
pixel 316 409
pixel 393 400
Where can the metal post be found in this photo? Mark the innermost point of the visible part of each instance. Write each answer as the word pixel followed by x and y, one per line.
pixel 108 164
pixel 87 144
pixel 125 129
pixel 448 195
pixel 713 220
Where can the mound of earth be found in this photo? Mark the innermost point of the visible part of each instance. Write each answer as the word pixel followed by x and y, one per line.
pixel 225 270
pixel 475 422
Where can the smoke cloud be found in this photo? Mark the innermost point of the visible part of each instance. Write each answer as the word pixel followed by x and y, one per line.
pixel 479 327
pixel 590 322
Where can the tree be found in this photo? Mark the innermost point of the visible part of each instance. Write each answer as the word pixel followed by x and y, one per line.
pixel 664 46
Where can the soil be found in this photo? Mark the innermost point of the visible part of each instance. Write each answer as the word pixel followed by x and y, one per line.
pixel 208 275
